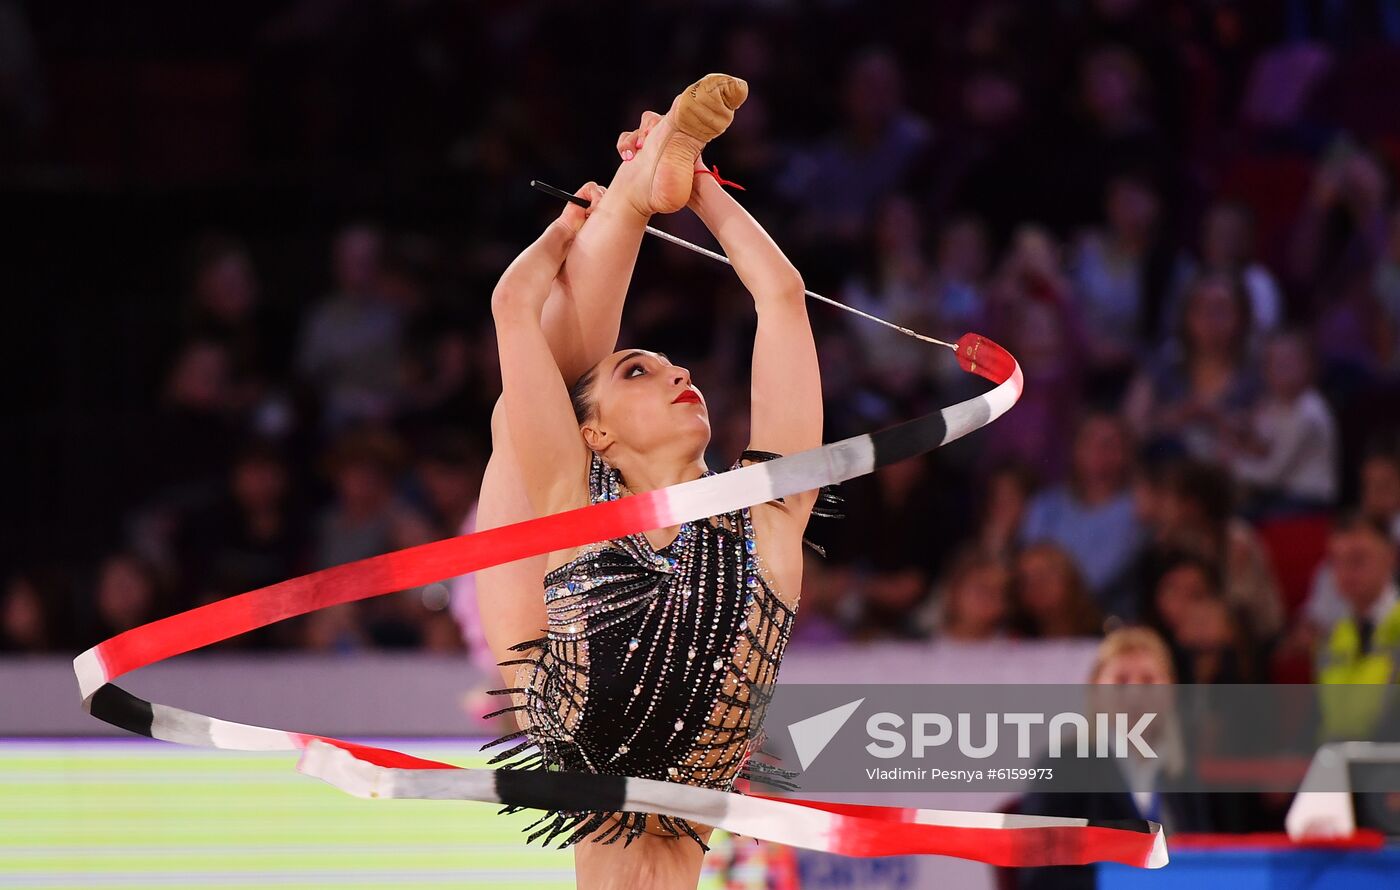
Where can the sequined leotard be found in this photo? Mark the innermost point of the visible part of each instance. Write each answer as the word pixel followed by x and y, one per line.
pixel 655 664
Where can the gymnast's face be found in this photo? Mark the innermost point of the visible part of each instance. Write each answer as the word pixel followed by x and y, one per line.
pixel 642 403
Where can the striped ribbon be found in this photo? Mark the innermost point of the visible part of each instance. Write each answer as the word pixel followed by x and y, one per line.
pixel 377 772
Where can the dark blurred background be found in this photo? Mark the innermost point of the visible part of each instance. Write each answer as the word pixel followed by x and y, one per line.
pixel 250 250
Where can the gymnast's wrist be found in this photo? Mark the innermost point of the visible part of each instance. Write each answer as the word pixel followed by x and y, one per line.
pixel 562 230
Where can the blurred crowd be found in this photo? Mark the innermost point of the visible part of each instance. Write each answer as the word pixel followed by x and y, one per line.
pixel 1180 217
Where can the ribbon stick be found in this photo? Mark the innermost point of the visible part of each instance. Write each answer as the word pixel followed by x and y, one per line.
pixel 719 257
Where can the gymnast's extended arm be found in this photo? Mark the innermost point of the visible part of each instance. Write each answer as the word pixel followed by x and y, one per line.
pixel 544 432
pixel 786 406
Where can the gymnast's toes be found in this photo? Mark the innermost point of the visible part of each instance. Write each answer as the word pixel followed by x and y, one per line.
pixel 706 108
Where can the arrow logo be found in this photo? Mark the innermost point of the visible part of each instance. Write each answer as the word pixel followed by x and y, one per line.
pixel 811 735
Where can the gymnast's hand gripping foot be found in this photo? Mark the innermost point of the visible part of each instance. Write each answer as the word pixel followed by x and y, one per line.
pixel 657 646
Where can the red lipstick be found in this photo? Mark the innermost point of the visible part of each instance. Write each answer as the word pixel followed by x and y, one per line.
pixel 686 395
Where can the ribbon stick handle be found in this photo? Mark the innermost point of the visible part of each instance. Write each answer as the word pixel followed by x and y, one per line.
pixel 559 193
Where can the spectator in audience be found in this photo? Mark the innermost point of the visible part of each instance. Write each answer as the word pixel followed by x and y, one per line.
pixel 1208 644
pixel 1135 656
pixel 1030 313
pixel 1380 489
pixel 226 306
pixel 1093 516
pixel 128 593
pixel 889 598
pixel 1379 502
pixel 1113 131
pixel 367 516
pixel 197 422
pixel 252 536
pixel 850 406
pixel 350 344
pixel 1187 508
pixel 1342 229
pixel 404 275
pixel 449 472
pixel 1203 381
pixel 1131 788
pixel 1385 282
pixel 1115 89
pixel 1030 271
pixel 986 162
pixel 1362 557
pixel 899 287
pixel 960 273
pixel 836 185
pixel 1008 491
pixel 224 287
pixel 959 294
pixel 901 526
pixel 33 613
pixel 826 596
pixel 1363 647
pixel 1287 455
pixel 1227 249
pixel 1340 236
pixel 975 604
pixel 186 449
pixel 440 386
pixel 24 626
pixel 1121 276
pixel 366 519
pixel 1051 599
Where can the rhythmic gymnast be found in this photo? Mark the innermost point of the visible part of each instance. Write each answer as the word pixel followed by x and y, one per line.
pixel 656 645
pixel 640 705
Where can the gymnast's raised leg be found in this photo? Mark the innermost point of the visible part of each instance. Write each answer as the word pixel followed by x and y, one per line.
pixel 582 317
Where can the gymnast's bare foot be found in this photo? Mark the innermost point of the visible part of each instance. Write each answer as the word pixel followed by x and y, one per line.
pixel 665 148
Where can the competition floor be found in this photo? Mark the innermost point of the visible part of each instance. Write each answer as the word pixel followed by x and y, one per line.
pixel 136 813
